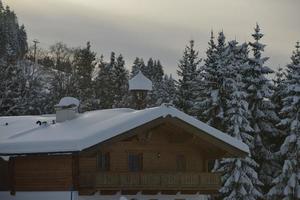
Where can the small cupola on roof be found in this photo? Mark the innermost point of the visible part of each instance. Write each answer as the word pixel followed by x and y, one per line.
pixel 66 109
pixel 139 86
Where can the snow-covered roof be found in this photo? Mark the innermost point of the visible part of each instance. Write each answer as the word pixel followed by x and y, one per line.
pixel 140 82
pixel 21 134
pixel 67 101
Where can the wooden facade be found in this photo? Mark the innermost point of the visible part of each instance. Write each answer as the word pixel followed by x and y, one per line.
pixel 170 159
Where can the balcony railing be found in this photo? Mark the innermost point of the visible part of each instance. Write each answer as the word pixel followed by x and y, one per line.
pixel 150 181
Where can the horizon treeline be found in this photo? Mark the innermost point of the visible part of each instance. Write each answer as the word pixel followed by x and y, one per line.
pixel 229 89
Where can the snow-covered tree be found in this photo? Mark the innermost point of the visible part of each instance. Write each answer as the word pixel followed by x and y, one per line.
pixel 104 83
pixel 286 185
pixel 138 65
pixel 154 71
pixel 239 177
pixel 168 94
pixel 201 90
pixel 263 117
pixel 13 40
pixel 187 73
pixel 84 65
pixel 279 89
pixel 121 76
pixel 13 46
pixel 210 84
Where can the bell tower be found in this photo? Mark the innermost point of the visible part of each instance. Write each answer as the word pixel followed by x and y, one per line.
pixel 139 86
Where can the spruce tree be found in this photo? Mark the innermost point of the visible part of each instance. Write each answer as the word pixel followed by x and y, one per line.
pixel 13 46
pixel 121 76
pixel 84 64
pixel 187 73
pixel 239 178
pixel 138 65
pixel 263 116
pixel 168 93
pixel 286 185
pixel 154 71
pixel 210 105
pixel 105 83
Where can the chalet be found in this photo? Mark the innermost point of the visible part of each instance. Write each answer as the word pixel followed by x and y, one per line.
pixel 151 153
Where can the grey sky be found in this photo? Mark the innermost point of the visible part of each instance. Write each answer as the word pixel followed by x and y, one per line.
pixel 160 28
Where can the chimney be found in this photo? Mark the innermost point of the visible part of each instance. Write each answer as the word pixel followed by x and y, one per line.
pixel 139 86
pixel 67 109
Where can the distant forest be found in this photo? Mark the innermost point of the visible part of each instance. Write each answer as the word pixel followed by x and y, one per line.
pixel 229 89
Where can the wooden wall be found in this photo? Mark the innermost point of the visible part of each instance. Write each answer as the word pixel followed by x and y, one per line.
pixel 42 173
pixel 159 153
pixel 4 180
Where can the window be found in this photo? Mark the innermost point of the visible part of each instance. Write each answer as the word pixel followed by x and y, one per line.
pixel 210 165
pixel 135 162
pixel 103 161
pixel 181 163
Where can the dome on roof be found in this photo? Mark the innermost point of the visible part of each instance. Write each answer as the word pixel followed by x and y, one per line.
pixel 140 82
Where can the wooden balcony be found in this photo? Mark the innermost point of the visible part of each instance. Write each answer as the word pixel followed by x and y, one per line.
pixel 201 182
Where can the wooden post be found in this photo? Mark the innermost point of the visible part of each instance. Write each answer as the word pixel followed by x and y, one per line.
pixel 75 171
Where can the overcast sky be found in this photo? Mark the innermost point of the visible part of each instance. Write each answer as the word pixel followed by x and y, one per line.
pixel 159 28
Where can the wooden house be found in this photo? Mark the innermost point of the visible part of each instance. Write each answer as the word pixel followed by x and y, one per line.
pixel 153 153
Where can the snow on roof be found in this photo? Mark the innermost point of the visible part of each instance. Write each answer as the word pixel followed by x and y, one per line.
pixel 21 134
pixel 67 101
pixel 140 82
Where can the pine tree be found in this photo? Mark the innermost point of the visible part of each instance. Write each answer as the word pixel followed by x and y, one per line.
pixel 186 85
pixel 121 76
pixel 154 71
pixel 138 65
pixel 168 93
pixel 84 63
pixel 13 46
pixel 239 178
pixel 210 105
pixel 105 83
pixel 263 116
pixel 286 185
pixel 279 89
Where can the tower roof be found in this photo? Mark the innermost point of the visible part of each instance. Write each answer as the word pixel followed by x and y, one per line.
pixel 140 82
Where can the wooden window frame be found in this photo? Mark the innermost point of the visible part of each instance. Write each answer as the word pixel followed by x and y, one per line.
pixel 181 167
pixel 105 161
pixel 139 167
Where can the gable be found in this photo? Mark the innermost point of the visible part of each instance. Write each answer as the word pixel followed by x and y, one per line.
pixel 173 130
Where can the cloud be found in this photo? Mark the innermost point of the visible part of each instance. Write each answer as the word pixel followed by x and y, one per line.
pixel 159 29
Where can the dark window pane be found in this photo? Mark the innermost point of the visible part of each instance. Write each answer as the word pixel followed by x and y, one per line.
pixel 210 165
pixel 135 162
pixel 103 161
pixel 181 163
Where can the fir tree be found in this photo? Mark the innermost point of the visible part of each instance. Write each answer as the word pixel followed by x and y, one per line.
pixel 263 116
pixel 121 76
pixel 13 46
pixel 186 85
pixel 287 183
pixel 84 64
pixel 104 83
pixel 138 65
pixel 168 93
pixel 155 73
pixel 210 105
pixel 239 178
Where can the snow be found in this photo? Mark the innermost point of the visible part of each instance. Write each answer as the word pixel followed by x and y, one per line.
pixel 67 101
pixel 140 82
pixel 22 134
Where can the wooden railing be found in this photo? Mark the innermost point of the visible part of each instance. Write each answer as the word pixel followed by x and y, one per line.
pixel 148 181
